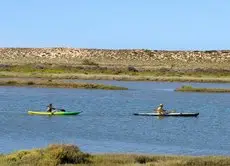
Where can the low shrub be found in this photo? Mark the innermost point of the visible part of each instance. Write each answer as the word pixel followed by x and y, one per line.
pixel 144 159
pixel 132 68
pixel 30 83
pixel 89 62
pixel 51 156
pixel 11 82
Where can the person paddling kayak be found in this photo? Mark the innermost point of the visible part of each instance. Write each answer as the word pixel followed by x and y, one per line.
pixel 160 109
pixel 50 108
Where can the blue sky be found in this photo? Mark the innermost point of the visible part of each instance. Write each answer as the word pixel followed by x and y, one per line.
pixel 116 24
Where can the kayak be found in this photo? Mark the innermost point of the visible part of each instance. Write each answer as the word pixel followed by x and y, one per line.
pixel 52 113
pixel 167 114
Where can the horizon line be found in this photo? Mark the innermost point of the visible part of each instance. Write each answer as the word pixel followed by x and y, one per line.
pixel 144 49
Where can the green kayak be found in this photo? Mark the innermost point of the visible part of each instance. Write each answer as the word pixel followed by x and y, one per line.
pixel 52 113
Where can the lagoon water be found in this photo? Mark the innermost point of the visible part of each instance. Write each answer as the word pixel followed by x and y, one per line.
pixel 107 125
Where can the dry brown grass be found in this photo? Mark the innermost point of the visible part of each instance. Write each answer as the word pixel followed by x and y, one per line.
pixel 53 155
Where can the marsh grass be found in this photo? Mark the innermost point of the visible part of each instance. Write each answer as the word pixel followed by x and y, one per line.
pixel 125 70
pixel 83 76
pixel 114 73
pixel 186 88
pixel 58 84
pixel 70 155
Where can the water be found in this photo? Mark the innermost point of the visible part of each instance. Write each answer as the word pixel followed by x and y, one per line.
pixel 107 123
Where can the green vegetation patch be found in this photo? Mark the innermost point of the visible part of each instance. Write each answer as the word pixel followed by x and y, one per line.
pixel 186 88
pixel 90 67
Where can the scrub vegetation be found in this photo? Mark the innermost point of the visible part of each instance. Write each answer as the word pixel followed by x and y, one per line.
pixel 133 64
pixel 70 155
pixel 186 88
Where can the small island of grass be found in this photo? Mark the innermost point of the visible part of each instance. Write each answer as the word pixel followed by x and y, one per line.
pixel 57 84
pixel 57 154
pixel 186 88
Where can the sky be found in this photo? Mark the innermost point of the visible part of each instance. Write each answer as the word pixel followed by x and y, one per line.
pixel 116 24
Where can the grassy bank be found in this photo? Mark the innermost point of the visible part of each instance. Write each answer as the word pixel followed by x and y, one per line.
pixel 56 84
pixel 95 72
pixel 71 155
pixel 207 90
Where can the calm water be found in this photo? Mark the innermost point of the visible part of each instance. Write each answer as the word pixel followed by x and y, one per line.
pixel 107 123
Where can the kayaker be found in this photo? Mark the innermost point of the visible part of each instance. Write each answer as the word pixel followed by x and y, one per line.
pixel 50 108
pixel 160 109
